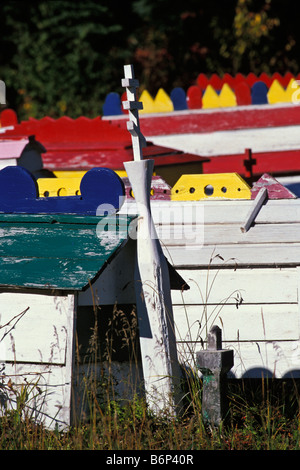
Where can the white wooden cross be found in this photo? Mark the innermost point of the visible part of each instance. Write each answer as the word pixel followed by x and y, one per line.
pixel 133 106
pixel 156 324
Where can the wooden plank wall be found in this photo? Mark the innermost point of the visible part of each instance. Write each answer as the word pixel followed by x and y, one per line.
pixel 246 283
pixel 257 310
pixel 36 354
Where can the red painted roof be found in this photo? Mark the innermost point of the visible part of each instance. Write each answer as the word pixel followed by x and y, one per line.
pixel 230 119
pixel 210 120
pixel 84 143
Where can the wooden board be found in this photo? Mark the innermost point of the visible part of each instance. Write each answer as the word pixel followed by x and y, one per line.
pixel 82 144
pixel 218 212
pixel 266 359
pixel 116 284
pixel 247 284
pixel 179 99
pixel 35 328
pixel 12 149
pixel 229 255
pixel 249 305
pixel 246 323
pixel 226 234
pixel 212 120
pixel 38 354
pixel 162 102
pixel 59 186
pixel 227 96
pixel 217 143
pixel 99 186
pixel 70 186
pixel 211 186
pixel 194 97
pixel 255 286
pixel 198 234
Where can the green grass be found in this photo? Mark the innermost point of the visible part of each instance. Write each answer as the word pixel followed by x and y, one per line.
pixel 263 415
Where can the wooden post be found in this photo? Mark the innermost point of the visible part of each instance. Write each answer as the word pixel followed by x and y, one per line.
pixel 156 325
pixel 214 363
pixel 258 202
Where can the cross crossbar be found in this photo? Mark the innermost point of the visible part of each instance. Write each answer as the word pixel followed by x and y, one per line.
pixel 133 106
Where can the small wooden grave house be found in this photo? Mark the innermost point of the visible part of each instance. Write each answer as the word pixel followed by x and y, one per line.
pixel 53 259
pixel 65 273
pixel 243 277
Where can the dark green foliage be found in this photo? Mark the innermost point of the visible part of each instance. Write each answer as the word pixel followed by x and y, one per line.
pixel 63 57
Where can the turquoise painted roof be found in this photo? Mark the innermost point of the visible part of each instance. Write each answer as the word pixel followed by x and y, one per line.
pixel 57 251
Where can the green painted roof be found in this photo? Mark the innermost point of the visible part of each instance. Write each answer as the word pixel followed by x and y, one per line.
pixel 57 251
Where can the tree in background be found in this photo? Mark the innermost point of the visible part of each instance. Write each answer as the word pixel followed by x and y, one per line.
pixel 62 57
pixel 200 36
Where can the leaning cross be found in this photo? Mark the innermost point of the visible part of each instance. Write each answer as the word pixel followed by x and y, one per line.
pixel 133 106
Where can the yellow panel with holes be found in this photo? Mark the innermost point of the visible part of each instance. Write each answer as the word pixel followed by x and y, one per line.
pixel 210 186
pixel 51 187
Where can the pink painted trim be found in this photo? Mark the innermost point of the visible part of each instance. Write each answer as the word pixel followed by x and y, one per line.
pixel 12 148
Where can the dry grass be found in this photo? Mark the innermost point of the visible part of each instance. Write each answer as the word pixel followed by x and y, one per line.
pixel 263 415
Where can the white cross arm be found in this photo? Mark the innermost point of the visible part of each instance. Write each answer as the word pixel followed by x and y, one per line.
pixel 133 105
pixel 130 83
pixel 130 105
pixel 135 132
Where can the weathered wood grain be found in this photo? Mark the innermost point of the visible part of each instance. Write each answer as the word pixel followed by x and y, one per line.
pixel 232 142
pixel 46 315
pixel 245 323
pixel 57 252
pixel 37 354
pixel 194 233
pixel 254 286
pixel 275 189
pixel 228 255
pixel 220 212
pixel 246 283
